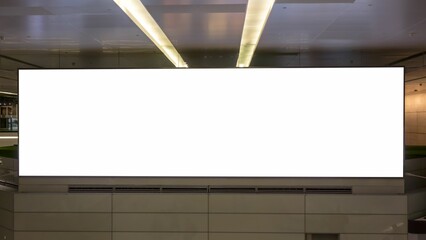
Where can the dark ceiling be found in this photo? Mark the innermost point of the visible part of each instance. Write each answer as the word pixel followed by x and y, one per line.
pixel 207 33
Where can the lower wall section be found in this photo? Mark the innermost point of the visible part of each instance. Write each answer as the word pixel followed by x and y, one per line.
pixel 255 236
pixel 63 222
pixel 62 236
pixel 6 233
pixel 159 222
pixel 373 236
pixel 205 216
pixel 417 204
pixel 159 236
pixel 271 223
pixel 6 215
pixel 343 223
pixel 6 219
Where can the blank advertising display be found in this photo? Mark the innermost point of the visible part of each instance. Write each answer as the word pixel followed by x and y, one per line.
pixel 283 122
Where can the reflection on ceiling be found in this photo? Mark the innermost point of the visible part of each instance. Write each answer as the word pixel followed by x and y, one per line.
pixel 207 33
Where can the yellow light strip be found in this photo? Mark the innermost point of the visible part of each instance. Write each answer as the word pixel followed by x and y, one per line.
pixel 141 17
pixel 8 93
pixel 256 17
pixel 8 137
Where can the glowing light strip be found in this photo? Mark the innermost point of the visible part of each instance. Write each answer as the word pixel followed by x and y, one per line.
pixel 256 16
pixel 141 17
pixel 8 93
pixel 8 137
pixel 415 175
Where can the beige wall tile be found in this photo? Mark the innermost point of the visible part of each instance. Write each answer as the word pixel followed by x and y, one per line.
pixel 62 202
pixel 373 236
pixel 6 219
pixel 256 203
pixel 256 236
pixel 356 223
pixel 272 223
pixel 6 233
pixel 416 204
pixel 159 236
pixel 62 236
pixel 356 204
pixel 411 122
pixel 421 121
pixel 145 222
pixel 173 202
pixel 63 222
pixel 6 200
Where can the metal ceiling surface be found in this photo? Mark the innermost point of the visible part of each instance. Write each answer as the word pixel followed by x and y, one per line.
pixel 208 34
pixel 208 24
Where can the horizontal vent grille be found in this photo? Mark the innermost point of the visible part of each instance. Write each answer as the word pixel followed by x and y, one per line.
pixel 329 190
pixel 280 190
pixel 137 189
pixel 232 189
pixel 90 189
pixel 209 189
pixel 185 189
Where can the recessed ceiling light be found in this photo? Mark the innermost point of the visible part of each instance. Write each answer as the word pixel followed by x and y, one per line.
pixel 8 137
pixel 143 19
pixel 8 93
pixel 257 15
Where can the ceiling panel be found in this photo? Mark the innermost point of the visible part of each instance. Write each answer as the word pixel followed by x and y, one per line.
pixel 23 11
pixel 197 9
pixel 392 27
pixel 298 24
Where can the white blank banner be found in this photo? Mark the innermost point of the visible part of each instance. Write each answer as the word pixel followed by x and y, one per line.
pixel 296 122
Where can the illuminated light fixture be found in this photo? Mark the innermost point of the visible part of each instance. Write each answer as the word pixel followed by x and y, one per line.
pixel 8 137
pixel 8 93
pixel 141 17
pixel 256 16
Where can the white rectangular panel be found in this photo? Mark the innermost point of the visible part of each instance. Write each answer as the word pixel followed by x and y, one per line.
pixel 292 122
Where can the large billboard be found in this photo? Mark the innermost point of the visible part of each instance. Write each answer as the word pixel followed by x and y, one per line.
pixel 281 122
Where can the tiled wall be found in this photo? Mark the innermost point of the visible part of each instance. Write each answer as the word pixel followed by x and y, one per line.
pixel 416 204
pixel 202 216
pixel 415 119
pixel 6 215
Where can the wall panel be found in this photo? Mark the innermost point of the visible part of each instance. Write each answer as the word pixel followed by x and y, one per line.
pixel 416 204
pixel 158 236
pixel 60 202
pixel 415 119
pixel 322 223
pixel 159 202
pixel 63 222
pixel 373 236
pixel 6 233
pixel 256 203
pixel 421 121
pixel 153 222
pixel 356 204
pixel 6 219
pixel 410 122
pixel 6 200
pixel 256 236
pixel 272 223
pixel 63 236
